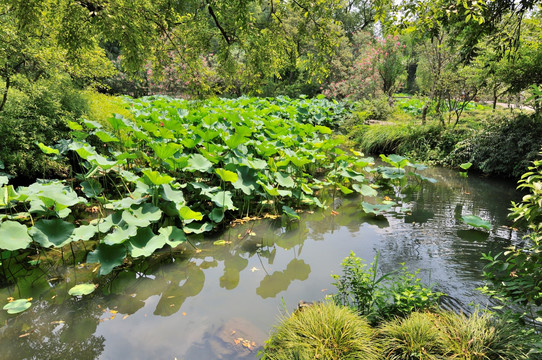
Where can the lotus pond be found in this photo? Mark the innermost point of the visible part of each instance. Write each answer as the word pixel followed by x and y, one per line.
pixel 139 254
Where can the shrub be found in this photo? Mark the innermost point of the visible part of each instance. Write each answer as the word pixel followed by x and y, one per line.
pixel 37 112
pixel 381 297
pixel 322 331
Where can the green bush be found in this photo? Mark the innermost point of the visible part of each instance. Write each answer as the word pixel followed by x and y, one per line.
pixel 381 297
pixel 322 331
pixel 37 112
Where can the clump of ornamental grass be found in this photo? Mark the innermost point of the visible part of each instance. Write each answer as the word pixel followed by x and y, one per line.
pixel 416 337
pixel 481 336
pixel 322 331
pixel 447 335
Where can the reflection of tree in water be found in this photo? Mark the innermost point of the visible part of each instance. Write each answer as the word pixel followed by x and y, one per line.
pixel 53 332
pixel 279 281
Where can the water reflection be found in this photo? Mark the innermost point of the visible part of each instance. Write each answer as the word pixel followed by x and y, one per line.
pixel 219 301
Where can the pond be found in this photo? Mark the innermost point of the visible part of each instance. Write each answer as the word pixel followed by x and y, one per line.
pixel 219 301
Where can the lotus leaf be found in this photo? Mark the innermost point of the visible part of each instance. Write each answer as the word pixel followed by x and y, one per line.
pixel 54 232
pixel 290 212
pixel 284 180
pixel 365 190
pixel 48 150
pixel 197 162
pixel 145 243
pixel 247 180
pixel 216 215
pixel 108 256
pixel 188 214
pixel 17 306
pixel 120 234
pixel 14 236
pixel 141 215
pixel 92 188
pixel 170 194
pixel 105 136
pixel 227 175
pixel 84 232
pixel 376 209
pixel 174 236
pixel 476 221
pixel 156 178
pixel 82 289
pixel 197 228
pixel 224 200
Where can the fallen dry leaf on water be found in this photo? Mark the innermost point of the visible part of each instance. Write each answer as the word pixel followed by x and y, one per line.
pixel 24 335
pixel 254 268
pixel 333 212
pixel 184 314
pixel 125 316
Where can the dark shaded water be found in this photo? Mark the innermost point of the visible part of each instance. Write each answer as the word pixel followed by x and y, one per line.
pixel 219 302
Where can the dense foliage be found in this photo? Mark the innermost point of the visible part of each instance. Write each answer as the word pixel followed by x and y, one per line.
pixel 185 167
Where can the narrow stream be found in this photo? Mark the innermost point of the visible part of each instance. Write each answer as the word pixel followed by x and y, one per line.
pixel 220 301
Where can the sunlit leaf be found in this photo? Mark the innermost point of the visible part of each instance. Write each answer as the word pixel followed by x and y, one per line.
pixel 226 175
pixel 14 236
pixel 82 289
pixel 17 306
pixel 476 221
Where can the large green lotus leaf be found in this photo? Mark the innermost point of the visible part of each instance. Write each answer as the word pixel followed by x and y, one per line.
pixel 92 188
pixel 197 162
pixel 345 190
pixel 205 189
pixel 106 136
pixel 84 150
pixel 165 150
pixel 129 176
pixel 365 190
pixel 247 180
pixel 197 228
pixel 142 215
pixel 48 150
pixel 120 235
pixel 174 236
pixel 92 124
pixel 300 161
pixel 101 161
pixel 376 209
pixel 170 194
pixel 284 180
pixel 227 175
pixel 60 195
pixel 423 178
pixel 217 215
pixel 224 200
pixel 350 174
pixel 269 189
pixel 257 164
pixel 104 224
pixel 121 156
pixel 476 221
pixel 395 160
pixel 290 212
pixel 14 236
pixel 306 189
pixel 235 140
pixel 126 202
pixel 156 178
pixel 54 232
pixel 391 173
pixel 82 289
pixel 188 214
pixel 84 232
pixel 108 256
pixel 145 243
pixel 17 306
pixel 4 180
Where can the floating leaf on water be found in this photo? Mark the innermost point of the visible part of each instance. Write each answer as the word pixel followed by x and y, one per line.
pixel 219 242
pixel 17 306
pixel 82 289
pixel 465 166
pixel 365 190
pixel 476 221
pixel 376 209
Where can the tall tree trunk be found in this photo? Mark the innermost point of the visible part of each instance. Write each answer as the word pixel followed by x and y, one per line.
pixel 5 96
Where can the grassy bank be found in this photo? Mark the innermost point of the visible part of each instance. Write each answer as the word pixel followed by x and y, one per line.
pixel 497 142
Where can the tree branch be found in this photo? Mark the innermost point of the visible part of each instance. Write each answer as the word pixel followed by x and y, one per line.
pixel 217 23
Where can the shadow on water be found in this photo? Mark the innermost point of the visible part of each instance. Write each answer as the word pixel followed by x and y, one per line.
pixel 212 301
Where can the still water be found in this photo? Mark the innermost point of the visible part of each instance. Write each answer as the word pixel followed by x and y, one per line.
pixel 220 301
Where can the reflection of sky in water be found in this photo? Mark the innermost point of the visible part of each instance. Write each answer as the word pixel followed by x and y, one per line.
pixel 208 304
